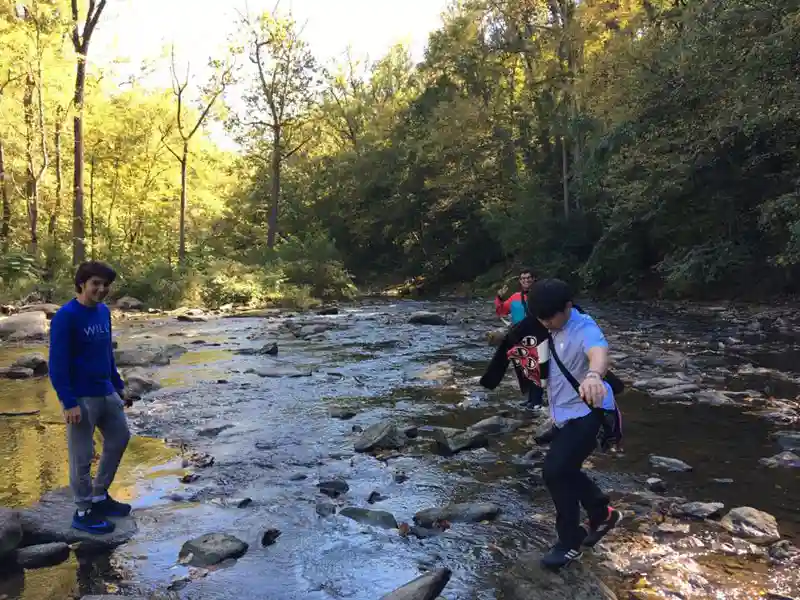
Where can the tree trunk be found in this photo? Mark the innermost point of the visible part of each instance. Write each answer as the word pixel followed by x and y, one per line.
pixel 5 229
pixel 31 182
pixel 78 227
pixel 565 175
pixel 91 207
pixel 182 225
pixel 52 227
pixel 276 187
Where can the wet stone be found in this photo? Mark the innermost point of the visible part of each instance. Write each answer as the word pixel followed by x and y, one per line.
pixel 752 524
pixel 380 436
pixel 270 536
pixel 377 518
pixel 333 488
pixel 338 412
pixel 426 318
pixel 43 555
pixel 462 512
pixel 211 549
pixel 656 484
pixel 786 460
pixel 496 425
pixel 698 510
pixel 375 496
pixel 10 531
pixel 459 441
pixel 670 464
pixel 424 587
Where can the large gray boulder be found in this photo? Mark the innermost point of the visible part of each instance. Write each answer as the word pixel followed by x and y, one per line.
pixel 424 587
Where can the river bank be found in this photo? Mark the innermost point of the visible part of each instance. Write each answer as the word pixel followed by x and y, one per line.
pixel 710 389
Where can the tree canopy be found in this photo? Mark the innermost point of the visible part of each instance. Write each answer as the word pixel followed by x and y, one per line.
pixel 631 146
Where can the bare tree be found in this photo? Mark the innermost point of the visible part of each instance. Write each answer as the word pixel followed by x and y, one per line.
pixel 280 98
pixel 215 88
pixel 80 41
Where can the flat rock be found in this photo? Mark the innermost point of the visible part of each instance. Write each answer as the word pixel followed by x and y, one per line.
pixel 698 510
pixel 211 549
pixel 50 521
pixel 378 518
pixel 42 555
pixel 459 441
pixel 109 597
pixel 16 373
pixel 48 308
pixel 656 484
pixel 669 464
pixel 752 524
pixel 380 436
pixel 424 587
pixel 468 512
pixel 676 391
pixel 24 326
pixel 527 580
pixel 424 317
pixel 139 357
pixel 496 425
pixel 10 531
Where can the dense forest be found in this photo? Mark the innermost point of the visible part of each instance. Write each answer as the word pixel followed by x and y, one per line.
pixel 635 147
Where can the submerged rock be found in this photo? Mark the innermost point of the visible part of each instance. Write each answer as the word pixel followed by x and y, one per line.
pixel 378 518
pixel 788 460
pixel 468 512
pixel 424 317
pixel 333 488
pixel 788 440
pixel 380 436
pixel 280 372
pixel 670 464
pixel 424 587
pixel 211 549
pixel 752 524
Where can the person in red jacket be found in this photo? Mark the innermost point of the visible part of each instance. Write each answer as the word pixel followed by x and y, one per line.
pixel 517 306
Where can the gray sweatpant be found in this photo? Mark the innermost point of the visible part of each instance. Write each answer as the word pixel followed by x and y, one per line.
pixel 108 415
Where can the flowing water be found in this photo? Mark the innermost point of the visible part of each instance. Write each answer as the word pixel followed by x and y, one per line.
pixel 279 440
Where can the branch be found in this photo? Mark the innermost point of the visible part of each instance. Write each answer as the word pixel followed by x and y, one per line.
pixel 296 148
pixel 164 134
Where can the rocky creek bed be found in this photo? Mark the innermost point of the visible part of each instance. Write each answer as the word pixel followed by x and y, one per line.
pixel 343 455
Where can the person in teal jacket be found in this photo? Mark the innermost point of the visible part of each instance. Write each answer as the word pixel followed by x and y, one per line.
pixel 517 306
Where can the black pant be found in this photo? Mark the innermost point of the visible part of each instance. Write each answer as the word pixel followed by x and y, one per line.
pixel 568 485
pixel 535 395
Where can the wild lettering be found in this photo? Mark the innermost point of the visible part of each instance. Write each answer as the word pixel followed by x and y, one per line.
pixel 96 329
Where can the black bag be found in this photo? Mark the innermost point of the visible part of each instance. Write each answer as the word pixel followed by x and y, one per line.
pixel 610 434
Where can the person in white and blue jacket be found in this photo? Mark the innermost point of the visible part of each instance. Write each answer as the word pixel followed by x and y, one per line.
pixel 578 343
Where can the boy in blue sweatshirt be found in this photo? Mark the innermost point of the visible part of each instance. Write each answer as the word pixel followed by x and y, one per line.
pixel 85 377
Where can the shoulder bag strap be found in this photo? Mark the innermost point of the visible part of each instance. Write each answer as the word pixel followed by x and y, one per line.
pixel 570 377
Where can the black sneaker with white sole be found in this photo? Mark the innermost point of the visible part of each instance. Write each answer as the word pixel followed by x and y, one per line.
pixel 597 531
pixel 560 556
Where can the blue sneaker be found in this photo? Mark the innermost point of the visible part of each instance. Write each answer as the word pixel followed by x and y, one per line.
pixel 111 508
pixel 91 523
pixel 560 556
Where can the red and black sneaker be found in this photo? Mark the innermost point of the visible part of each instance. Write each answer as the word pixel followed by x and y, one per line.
pixel 597 531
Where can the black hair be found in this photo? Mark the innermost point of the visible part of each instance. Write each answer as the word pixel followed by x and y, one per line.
pixel 93 268
pixel 527 270
pixel 549 297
